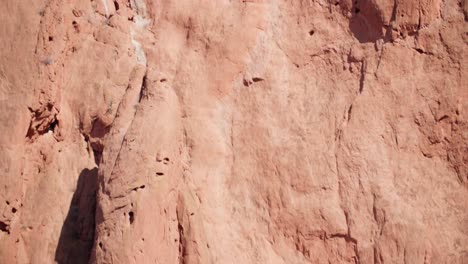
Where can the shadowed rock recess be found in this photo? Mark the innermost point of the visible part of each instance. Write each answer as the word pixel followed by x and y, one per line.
pixel 229 131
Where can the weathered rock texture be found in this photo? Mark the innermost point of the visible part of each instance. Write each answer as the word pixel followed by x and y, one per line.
pixel 189 131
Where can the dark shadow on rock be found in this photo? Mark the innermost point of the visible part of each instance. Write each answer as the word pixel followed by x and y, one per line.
pixel 366 21
pixel 77 235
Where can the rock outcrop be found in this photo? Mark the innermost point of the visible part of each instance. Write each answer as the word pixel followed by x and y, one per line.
pixel 234 131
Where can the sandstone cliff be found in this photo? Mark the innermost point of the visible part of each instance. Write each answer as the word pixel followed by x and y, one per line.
pixel 190 131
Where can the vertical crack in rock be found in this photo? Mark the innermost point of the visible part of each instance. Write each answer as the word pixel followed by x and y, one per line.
pixel 143 91
pixel 125 110
pixel 363 75
pixel 180 211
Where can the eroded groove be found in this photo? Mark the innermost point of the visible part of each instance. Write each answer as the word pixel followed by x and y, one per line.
pixel 363 76
pixel 180 230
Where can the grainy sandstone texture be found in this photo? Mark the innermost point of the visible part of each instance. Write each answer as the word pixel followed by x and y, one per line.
pixel 254 131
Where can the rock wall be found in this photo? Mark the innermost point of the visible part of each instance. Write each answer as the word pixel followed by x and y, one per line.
pixel 195 131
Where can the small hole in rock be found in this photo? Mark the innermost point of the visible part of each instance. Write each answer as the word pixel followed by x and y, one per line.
pixel 192 213
pixel 53 125
pixel 51 38
pixel 163 80
pixel 142 187
pixel 116 5
pixel 13 210
pixel 166 159
pixel 357 10
pixel 100 245
pixel 159 173
pixel 131 217
pixel 257 79
pixel 4 227
pixel 7 202
pixel 312 32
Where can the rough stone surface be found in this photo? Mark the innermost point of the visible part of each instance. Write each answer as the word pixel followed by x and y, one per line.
pixel 189 131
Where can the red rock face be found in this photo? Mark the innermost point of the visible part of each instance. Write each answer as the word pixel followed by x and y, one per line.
pixel 233 131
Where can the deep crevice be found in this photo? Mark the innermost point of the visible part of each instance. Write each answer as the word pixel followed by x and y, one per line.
pixel 143 89
pixel 363 76
pixel 181 241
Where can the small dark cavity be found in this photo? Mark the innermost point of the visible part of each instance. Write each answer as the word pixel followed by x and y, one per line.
pixel 357 10
pixel 14 210
pixel 140 187
pixel 100 245
pixel 420 51
pixel 192 213
pixel 116 5
pixel 7 202
pixel 159 173
pixel 257 79
pixel 131 217
pixel 166 159
pixel 4 227
pixel 245 82
pixel 312 32
pixel 53 125
pixel 51 38
pixel 163 80
pixel 443 118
